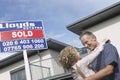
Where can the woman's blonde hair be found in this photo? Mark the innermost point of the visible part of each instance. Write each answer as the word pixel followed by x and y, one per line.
pixel 68 57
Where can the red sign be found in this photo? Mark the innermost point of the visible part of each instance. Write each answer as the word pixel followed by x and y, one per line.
pixel 20 34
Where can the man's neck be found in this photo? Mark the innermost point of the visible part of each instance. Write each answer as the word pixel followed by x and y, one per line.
pixel 97 44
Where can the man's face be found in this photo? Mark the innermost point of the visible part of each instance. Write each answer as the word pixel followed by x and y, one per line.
pixel 89 42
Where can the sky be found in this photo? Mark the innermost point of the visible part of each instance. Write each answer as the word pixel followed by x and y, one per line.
pixel 55 14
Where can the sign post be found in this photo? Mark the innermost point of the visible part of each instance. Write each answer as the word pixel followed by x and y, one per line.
pixel 22 35
pixel 27 66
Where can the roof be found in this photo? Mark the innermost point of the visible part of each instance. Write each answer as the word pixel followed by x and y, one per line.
pixel 94 19
pixel 52 44
pixel 55 45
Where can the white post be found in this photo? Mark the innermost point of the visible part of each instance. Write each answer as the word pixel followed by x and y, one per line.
pixel 27 67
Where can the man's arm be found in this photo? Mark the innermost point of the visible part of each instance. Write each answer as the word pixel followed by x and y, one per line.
pixel 109 69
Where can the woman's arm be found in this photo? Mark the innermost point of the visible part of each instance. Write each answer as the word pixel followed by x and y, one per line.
pixel 93 54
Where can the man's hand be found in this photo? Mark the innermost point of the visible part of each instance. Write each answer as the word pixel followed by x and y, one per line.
pixel 91 77
pixel 102 73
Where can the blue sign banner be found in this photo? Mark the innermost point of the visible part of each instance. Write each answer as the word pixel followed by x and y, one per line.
pixel 23 35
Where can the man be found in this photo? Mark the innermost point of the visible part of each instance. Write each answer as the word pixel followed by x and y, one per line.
pixel 107 64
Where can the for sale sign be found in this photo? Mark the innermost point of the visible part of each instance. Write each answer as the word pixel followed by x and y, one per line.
pixel 22 35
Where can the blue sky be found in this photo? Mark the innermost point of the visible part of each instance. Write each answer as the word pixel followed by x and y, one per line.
pixel 56 14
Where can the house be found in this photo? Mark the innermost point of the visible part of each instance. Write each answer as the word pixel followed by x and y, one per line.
pixel 104 24
pixel 44 64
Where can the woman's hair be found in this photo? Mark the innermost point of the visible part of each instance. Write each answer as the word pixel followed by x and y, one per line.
pixel 68 57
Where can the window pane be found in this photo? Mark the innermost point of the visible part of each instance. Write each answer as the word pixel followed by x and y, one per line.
pixel 18 74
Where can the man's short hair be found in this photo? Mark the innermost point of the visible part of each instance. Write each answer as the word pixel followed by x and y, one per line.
pixel 87 33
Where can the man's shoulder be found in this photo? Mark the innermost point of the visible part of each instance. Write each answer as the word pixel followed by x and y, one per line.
pixel 109 45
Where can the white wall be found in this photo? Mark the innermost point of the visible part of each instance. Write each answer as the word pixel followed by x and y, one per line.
pixel 57 68
pixel 48 61
pixel 48 58
pixel 108 29
pixel 5 72
pixel 52 61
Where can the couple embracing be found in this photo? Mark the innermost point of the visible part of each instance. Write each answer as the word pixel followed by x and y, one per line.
pixel 102 63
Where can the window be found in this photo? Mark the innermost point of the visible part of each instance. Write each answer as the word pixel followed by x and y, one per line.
pixel 18 74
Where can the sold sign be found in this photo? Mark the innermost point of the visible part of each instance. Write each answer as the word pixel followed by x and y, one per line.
pixel 22 35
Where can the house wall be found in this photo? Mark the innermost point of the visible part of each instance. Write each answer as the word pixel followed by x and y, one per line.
pixel 5 72
pixel 51 60
pixel 56 67
pixel 37 66
pixel 108 29
pixel 48 58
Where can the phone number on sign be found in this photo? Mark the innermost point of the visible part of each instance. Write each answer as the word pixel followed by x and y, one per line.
pixel 23 47
pixel 22 42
